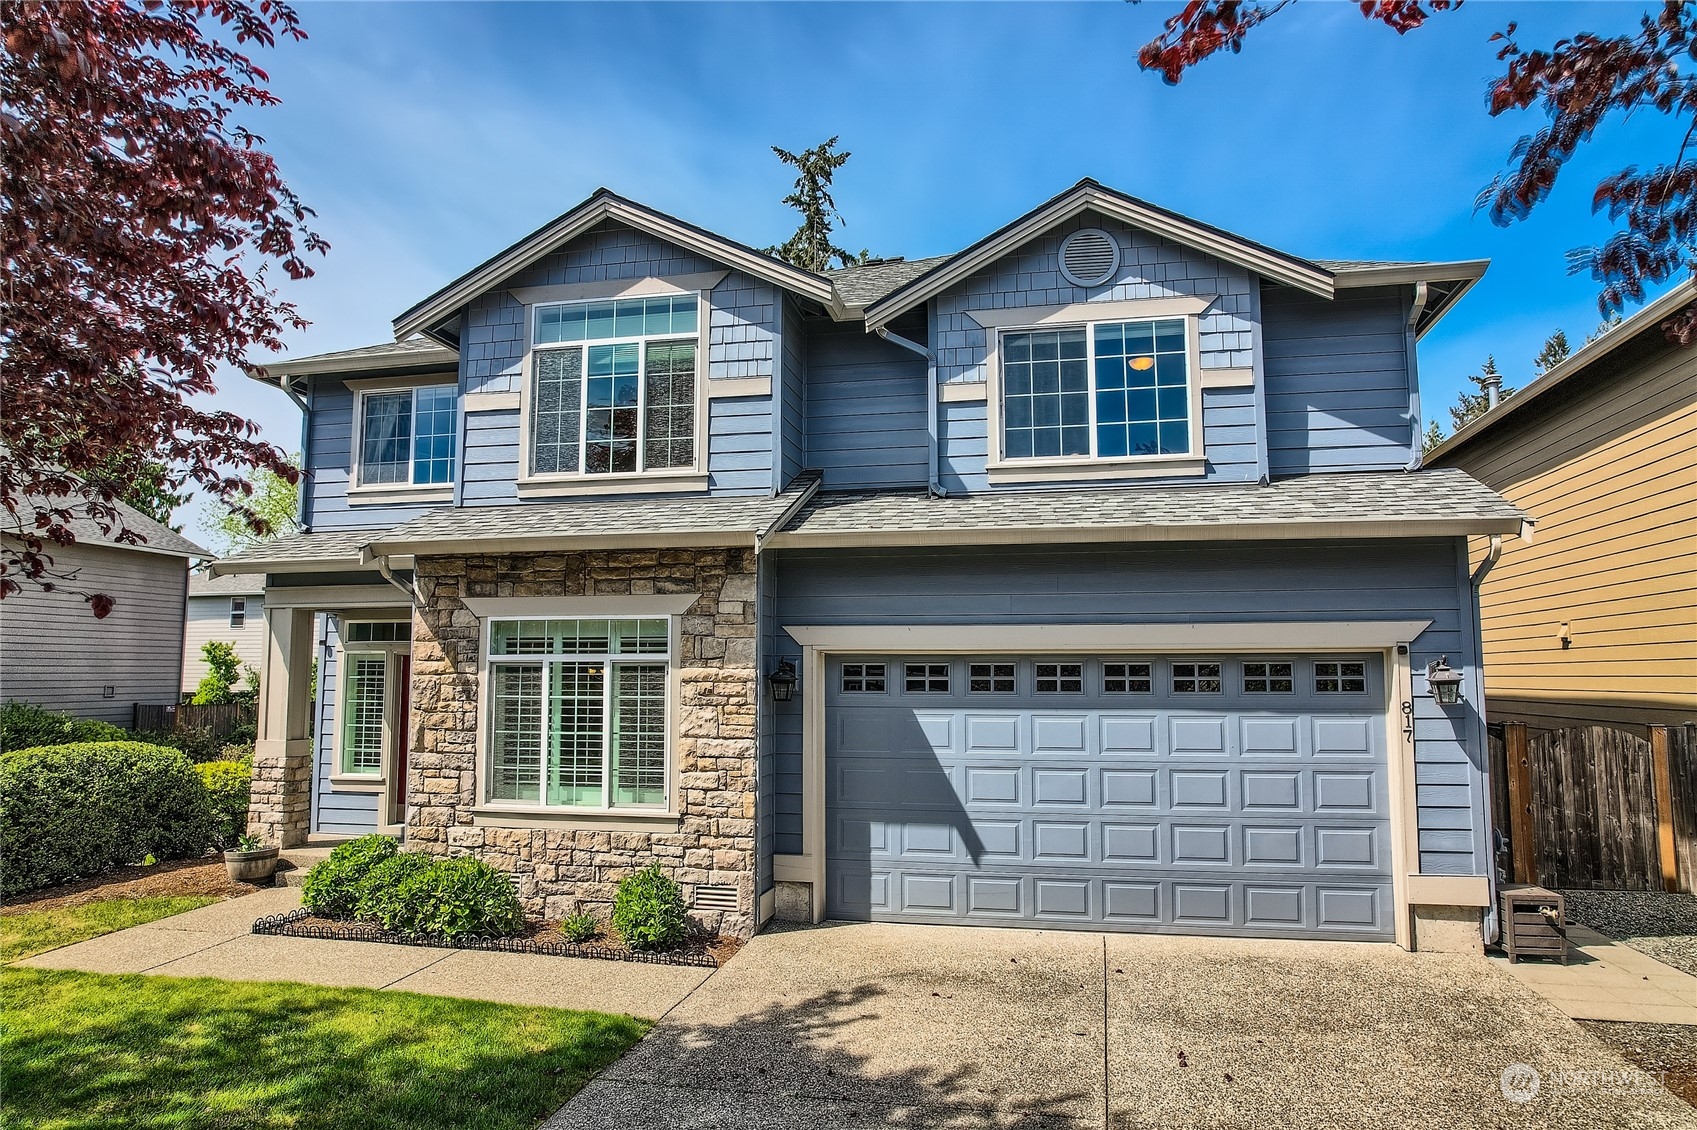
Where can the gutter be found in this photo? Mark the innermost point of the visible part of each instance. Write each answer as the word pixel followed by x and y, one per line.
pixel 368 557
pixel 933 483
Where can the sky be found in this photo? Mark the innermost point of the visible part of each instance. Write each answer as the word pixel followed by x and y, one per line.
pixel 428 136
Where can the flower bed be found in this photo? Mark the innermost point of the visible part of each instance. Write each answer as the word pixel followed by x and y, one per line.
pixel 538 938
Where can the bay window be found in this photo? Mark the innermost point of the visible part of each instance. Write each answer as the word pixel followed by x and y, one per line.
pixel 613 386
pixel 1106 390
pixel 577 715
pixel 406 436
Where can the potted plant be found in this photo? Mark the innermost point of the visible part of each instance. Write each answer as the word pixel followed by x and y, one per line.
pixel 251 861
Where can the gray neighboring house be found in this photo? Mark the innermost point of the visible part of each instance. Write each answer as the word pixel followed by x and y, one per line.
pixel 1085 578
pixel 56 654
pixel 230 609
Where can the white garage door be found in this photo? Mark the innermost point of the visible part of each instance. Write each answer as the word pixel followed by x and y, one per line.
pixel 1214 794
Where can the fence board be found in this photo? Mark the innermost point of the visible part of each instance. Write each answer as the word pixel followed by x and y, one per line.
pixel 222 718
pixel 1682 769
pixel 1594 822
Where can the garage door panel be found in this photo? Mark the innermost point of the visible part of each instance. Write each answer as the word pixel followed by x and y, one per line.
pixel 1222 813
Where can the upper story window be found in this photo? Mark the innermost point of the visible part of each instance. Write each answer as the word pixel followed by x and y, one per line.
pixel 614 386
pixel 238 613
pixel 406 436
pixel 1108 390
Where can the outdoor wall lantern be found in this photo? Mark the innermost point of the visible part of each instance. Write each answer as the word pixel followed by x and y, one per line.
pixel 1444 682
pixel 783 681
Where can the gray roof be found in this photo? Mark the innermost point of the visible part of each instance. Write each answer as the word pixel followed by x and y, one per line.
pixel 202 583
pixel 657 522
pixel 328 549
pixel 155 537
pixel 413 353
pixel 862 286
pixel 1366 504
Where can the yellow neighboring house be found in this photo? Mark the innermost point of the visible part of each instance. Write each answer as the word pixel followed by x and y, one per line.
pixel 1595 620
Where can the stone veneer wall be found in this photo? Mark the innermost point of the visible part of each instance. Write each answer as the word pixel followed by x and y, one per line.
pixel 560 867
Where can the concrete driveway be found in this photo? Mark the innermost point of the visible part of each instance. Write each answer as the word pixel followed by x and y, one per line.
pixel 873 1025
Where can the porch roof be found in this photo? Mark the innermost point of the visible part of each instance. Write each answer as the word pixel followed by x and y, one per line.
pixel 1367 504
pixel 698 520
pixel 318 551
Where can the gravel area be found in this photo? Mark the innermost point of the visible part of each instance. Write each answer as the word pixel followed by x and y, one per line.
pixel 1666 1051
pixel 177 877
pixel 1657 923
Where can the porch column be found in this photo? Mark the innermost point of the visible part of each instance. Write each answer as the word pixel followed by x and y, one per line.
pixel 281 808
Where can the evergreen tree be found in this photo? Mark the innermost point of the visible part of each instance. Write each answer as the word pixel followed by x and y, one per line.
pixel 1471 405
pixel 150 488
pixel 1603 327
pixel 1433 437
pixel 810 248
pixel 1555 351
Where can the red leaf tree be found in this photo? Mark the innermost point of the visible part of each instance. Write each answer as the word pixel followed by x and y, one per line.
pixel 139 219
pixel 1579 83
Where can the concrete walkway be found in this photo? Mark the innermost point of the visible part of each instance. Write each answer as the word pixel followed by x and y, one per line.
pixel 1607 980
pixel 879 1025
pixel 215 941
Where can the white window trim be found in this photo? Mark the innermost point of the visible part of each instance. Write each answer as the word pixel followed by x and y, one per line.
pixel 235 612
pixel 341 781
pixel 1062 468
pixel 377 493
pixel 671 479
pixel 514 813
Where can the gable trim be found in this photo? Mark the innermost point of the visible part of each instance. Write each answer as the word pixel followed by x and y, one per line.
pixel 1088 196
pixel 428 315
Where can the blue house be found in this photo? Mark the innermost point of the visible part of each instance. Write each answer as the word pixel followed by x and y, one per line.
pixel 1087 577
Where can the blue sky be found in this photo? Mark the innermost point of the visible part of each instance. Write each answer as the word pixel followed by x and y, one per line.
pixel 429 136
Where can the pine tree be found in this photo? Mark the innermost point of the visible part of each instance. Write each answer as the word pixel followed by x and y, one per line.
pixel 1603 327
pixel 810 248
pixel 1555 351
pixel 1433 437
pixel 1471 405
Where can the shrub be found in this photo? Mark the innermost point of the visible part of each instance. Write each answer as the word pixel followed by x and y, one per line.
pixel 648 910
pixel 197 742
pixel 224 671
pixel 228 784
pixel 71 811
pixel 580 927
pixel 381 899
pixel 24 725
pixel 458 898
pixel 331 889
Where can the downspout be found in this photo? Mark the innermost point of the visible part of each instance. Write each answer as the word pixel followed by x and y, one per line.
pixel 1422 295
pixel 1492 556
pixel 1491 925
pixel 935 486
pixel 368 557
pixel 303 501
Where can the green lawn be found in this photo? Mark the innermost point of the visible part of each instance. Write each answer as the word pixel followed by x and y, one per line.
pixel 92 1050
pixel 36 931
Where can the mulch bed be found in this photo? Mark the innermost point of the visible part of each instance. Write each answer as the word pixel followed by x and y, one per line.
pixel 1666 1051
pixel 206 876
pixel 538 938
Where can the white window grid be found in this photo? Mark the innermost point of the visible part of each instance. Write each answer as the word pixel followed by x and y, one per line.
pixel 238 613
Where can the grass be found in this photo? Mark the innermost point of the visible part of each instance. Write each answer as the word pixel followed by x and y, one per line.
pixel 36 931
pixel 94 1050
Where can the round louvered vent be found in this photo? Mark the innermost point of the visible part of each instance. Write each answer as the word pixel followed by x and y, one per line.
pixel 1089 257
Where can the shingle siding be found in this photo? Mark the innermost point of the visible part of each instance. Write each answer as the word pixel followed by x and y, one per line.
pixel 1339 384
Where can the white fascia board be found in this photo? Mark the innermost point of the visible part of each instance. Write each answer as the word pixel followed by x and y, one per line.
pixel 572 607
pixel 1211 531
pixel 544 543
pixel 574 224
pixel 441 357
pixel 1297 635
pixel 1267 264
pixel 1403 274
pixel 284 565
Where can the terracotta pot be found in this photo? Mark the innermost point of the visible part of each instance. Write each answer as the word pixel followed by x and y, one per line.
pixel 251 866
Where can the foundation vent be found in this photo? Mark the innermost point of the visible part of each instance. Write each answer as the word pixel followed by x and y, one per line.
pixel 709 897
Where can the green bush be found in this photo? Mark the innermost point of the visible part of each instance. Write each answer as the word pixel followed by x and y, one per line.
pixel 580 927
pixel 332 888
pixel 228 784
pixel 197 742
pixel 458 898
pixel 380 898
pixel 24 725
pixel 71 811
pixel 648 910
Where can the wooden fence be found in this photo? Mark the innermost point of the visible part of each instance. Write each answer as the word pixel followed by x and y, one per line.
pixel 222 718
pixel 1597 806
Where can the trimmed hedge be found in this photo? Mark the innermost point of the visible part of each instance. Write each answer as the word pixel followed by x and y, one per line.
pixel 71 811
pixel 333 887
pixel 649 911
pixel 23 725
pixel 228 788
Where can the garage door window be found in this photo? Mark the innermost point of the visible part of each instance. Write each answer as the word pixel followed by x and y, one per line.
pixel 991 678
pixel 863 678
pixel 1197 678
pixel 1340 678
pixel 578 712
pixel 1128 678
pixel 1269 678
pixel 1060 678
pixel 926 678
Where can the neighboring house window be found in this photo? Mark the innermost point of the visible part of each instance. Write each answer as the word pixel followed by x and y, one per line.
pixel 1109 390
pixel 238 613
pixel 407 436
pixel 613 386
pixel 578 712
